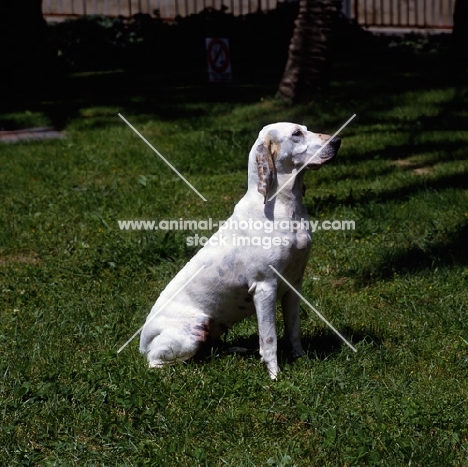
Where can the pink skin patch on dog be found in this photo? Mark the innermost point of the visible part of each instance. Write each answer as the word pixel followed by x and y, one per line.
pixel 203 330
pixel 200 331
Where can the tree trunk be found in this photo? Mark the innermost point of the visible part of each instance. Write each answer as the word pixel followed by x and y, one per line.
pixel 308 66
pixel 23 35
pixel 460 35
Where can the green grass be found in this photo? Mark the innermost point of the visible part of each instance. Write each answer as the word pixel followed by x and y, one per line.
pixel 74 287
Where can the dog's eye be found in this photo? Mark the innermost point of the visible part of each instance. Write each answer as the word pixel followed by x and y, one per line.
pixel 297 133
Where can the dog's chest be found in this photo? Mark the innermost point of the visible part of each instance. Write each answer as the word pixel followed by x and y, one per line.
pixel 301 239
pixel 298 235
pixel 298 231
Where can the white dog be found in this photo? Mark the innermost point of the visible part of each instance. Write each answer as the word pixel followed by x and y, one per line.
pixel 232 274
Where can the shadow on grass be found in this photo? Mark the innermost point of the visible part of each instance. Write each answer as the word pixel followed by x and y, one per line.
pixel 173 97
pixel 319 347
pixel 360 197
pixel 453 250
pixel 133 93
pixel 434 151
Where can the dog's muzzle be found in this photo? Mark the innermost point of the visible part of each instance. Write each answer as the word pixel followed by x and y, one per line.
pixel 326 154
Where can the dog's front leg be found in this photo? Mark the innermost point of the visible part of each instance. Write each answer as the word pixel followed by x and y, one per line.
pixel 290 304
pixel 265 305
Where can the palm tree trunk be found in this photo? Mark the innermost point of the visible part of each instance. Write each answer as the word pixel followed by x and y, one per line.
pixel 460 36
pixel 308 66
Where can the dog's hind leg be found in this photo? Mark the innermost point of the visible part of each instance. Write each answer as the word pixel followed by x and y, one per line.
pixel 290 304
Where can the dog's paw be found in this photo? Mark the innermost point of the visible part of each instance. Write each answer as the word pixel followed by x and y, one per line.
pixel 274 376
pixel 156 364
pixel 238 349
pixel 297 353
pixel 273 372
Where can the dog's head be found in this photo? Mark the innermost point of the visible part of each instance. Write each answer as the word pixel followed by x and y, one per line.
pixel 284 148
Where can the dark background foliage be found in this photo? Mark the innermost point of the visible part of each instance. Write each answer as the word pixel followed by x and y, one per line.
pixel 259 43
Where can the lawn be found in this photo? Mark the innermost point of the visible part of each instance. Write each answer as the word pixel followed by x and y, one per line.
pixel 75 287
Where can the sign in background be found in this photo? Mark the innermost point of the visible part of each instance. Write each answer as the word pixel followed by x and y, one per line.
pixel 219 59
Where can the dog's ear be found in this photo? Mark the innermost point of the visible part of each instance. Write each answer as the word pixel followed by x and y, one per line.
pixel 267 152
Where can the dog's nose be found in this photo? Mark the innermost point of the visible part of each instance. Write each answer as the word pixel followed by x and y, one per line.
pixel 335 143
pixel 331 148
